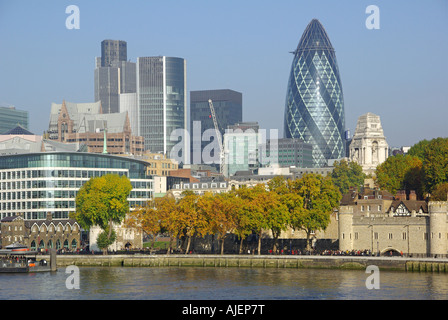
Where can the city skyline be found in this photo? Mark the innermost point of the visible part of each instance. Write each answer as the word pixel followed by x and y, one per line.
pixel 397 72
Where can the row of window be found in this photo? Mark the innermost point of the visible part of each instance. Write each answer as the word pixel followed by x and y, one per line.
pixel 369 208
pixel 54 193
pixel 39 215
pixel 56 173
pixel 390 236
pixel 203 185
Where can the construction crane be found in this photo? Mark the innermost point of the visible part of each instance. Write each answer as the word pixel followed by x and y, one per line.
pixel 218 136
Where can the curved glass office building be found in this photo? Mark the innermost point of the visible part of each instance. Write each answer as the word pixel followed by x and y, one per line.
pixel 35 184
pixel 314 109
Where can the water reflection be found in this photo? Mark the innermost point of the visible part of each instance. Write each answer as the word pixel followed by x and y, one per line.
pixel 222 284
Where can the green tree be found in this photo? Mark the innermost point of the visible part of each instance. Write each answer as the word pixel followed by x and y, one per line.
pixel 401 172
pixel 105 239
pixel 418 149
pixel 244 217
pixel 102 201
pixel 347 174
pixel 320 198
pixel 435 163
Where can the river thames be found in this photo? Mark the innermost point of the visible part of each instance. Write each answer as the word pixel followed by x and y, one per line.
pixel 196 283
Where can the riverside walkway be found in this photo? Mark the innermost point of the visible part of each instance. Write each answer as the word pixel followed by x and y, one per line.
pixel 439 265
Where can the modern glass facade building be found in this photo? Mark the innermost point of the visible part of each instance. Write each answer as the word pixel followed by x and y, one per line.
pixel 287 152
pixel 161 100
pixel 228 105
pixel 10 117
pixel 35 184
pixel 314 108
pixel 241 142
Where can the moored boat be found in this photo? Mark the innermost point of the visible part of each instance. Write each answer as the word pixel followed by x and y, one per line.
pixel 17 258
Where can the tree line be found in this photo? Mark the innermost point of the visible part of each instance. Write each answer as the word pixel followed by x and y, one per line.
pixel 302 204
pixel 424 169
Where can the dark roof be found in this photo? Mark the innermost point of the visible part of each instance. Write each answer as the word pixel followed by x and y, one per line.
pixel 411 205
pixel 19 130
pixel 9 219
pixel 29 223
pixel 349 198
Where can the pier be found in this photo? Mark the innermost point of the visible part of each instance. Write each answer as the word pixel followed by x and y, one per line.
pixel 253 261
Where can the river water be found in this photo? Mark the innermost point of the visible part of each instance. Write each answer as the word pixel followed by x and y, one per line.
pixel 189 283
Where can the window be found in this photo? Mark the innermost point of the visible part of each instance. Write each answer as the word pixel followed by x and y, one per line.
pixel 390 236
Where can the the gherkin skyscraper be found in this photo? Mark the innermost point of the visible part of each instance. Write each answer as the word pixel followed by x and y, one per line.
pixel 314 110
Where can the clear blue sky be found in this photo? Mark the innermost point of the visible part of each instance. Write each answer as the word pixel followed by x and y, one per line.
pixel 399 72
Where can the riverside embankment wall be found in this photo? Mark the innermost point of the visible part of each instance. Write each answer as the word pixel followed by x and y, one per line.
pixel 263 261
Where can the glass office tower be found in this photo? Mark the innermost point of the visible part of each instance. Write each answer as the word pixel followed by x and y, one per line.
pixel 35 184
pixel 228 105
pixel 161 100
pixel 10 117
pixel 314 108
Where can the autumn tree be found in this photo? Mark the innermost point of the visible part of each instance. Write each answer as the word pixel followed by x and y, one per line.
pixel 189 218
pixel 440 192
pixel 290 200
pixel 221 213
pixel 153 217
pixel 265 212
pixel 102 201
pixel 320 198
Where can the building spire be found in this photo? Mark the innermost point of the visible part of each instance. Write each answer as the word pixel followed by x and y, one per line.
pixel 105 140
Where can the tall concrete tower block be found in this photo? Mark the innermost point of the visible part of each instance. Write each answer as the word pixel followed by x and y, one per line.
pixel 345 228
pixel 438 242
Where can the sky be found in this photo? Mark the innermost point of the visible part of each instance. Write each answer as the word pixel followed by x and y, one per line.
pixel 399 71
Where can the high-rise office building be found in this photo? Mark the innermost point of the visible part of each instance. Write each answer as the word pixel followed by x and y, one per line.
pixel 113 51
pixel 114 75
pixel 10 117
pixel 228 105
pixel 161 101
pixel 241 142
pixel 314 108
pixel 287 152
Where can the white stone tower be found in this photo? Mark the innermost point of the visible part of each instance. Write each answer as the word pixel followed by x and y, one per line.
pixel 369 147
pixel 345 228
pixel 438 242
